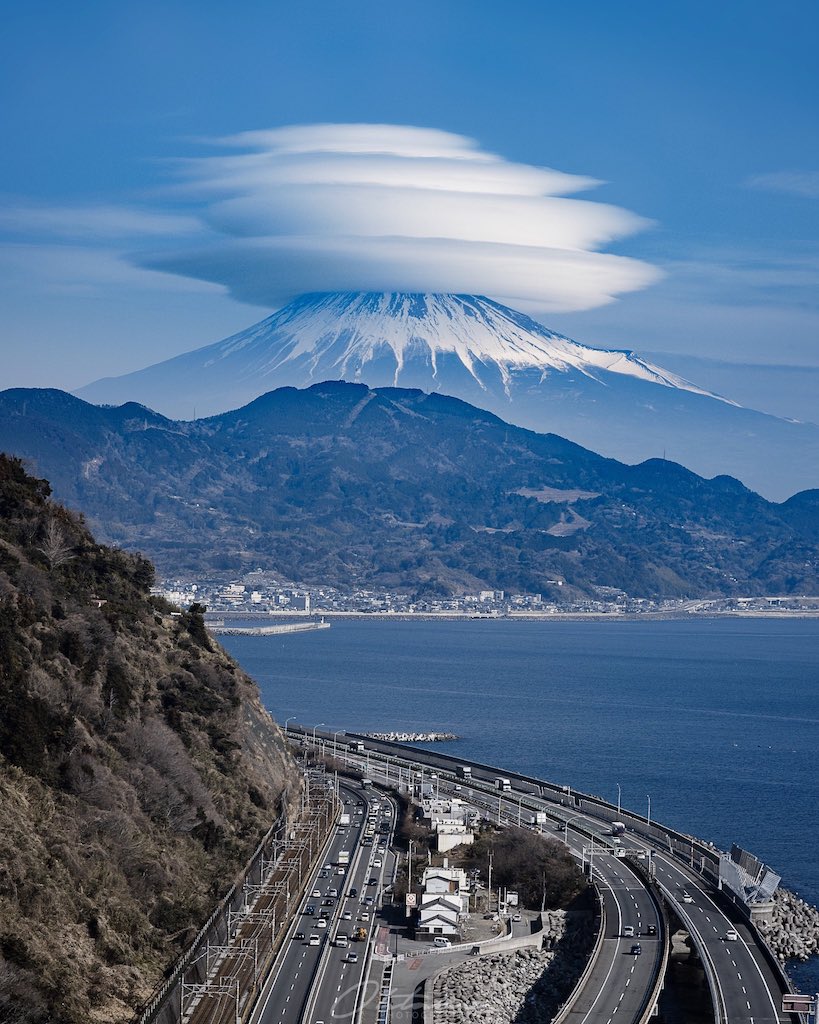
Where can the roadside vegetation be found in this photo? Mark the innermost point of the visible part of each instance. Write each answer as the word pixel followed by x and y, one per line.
pixel 540 870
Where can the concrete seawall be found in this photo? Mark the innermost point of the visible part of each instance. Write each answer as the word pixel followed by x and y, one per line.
pixel 273 630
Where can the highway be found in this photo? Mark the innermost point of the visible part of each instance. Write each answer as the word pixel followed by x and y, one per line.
pixel 620 984
pixel 744 987
pixel 314 978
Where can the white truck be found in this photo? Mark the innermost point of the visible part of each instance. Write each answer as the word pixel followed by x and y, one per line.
pixel 617 828
pixel 343 819
pixel 503 785
pixel 463 771
pixel 343 858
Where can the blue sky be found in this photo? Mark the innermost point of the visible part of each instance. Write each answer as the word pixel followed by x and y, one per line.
pixel 699 118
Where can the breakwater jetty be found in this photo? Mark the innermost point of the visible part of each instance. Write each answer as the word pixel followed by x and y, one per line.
pixel 412 737
pixel 272 630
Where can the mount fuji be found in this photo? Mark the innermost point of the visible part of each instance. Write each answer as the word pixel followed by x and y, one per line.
pixel 491 356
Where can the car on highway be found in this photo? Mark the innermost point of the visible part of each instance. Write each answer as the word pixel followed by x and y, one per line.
pixel 687 897
pixel 651 929
pixel 372 881
pixel 329 902
pixel 316 893
pixel 324 873
pixel 314 939
pixel 377 863
pixel 332 892
pixel 732 935
pixel 351 958
pixel 636 949
pixel 628 931
pixel 298 936
pixel 363 916
pixel 368 901
pixel 353 893
pixel 309 910
pixel 346 916
pixel 517 917
pixel 321 923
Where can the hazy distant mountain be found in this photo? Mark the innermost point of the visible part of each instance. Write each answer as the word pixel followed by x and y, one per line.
pixel 344 485
pixel 495 358
pixel 791 392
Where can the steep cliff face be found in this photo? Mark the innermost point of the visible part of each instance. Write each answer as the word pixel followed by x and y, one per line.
pixel 138 769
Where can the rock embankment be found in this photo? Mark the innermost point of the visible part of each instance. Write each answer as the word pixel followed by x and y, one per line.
pixel 413 737
pixel 526 986
pixel 794 933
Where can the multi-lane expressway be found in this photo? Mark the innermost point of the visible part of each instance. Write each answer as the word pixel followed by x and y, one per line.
pixel 316 977
pixel 744 986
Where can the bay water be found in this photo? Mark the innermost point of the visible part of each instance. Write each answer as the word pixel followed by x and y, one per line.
pixel 716 721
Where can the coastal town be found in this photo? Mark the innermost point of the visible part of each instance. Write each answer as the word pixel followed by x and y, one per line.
pixel 259 593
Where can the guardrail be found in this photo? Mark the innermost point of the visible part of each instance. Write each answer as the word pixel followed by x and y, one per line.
pixel 686 848
pixel 571 999
pixel 659 902
pixel 697 855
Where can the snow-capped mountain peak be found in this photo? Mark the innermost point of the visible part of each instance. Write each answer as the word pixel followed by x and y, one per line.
pixel 341 334
pixel 490 356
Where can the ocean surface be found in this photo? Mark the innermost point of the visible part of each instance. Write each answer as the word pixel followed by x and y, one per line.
pixel 716 720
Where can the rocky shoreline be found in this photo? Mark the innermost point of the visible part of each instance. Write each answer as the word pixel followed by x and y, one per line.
pixel 526 986
pixel 794 933
pixel 412 737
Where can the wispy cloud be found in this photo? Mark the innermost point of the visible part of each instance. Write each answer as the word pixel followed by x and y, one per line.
pixel 93 222
pixel 795 183
pixel 386 207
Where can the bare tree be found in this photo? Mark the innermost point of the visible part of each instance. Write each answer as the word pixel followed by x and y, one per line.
pixel 55 545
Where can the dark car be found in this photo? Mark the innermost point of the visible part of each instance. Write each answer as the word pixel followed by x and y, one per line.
pixel 353 892
pixel 309 910
pixel 636 949
pixel 328 902
pixel 651 929
pixel 372 881
pixel 298 937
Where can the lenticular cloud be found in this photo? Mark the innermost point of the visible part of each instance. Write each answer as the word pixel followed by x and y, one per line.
pixel 390 208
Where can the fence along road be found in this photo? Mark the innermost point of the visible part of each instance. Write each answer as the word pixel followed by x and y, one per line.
pixel 619 982
pixel 746 985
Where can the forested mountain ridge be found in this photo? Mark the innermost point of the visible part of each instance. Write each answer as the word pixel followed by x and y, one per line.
pixel 348 486
pixel 138 769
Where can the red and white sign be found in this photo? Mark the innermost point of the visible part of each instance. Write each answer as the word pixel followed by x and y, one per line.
pixel 412 899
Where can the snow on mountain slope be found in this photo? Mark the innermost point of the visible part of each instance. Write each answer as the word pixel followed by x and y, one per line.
pixel 338 334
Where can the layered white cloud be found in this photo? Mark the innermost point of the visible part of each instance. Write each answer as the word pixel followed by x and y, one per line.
pixel 385 207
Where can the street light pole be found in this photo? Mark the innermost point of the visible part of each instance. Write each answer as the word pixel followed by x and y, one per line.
pixel 335 748
pixel 314 732
pixel 287 721
pixel 648 819
pixel 409 866
pixel 618 798
pixel 577 817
